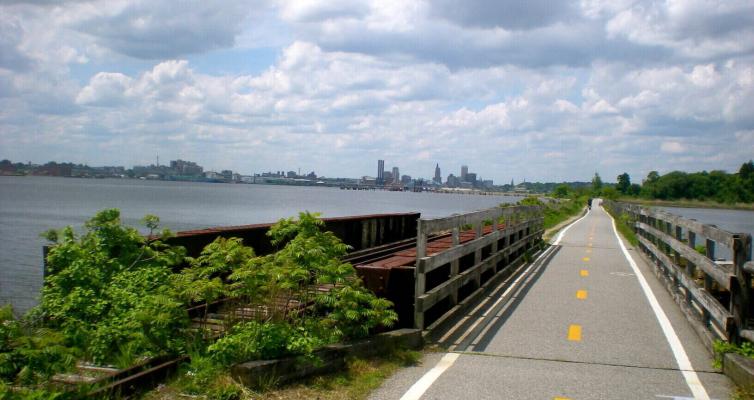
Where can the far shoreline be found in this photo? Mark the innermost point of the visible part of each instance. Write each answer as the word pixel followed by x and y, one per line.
pixel 692 204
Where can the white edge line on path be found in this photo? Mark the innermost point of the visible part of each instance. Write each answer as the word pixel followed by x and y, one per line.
pixel 560 235
pixel 416 390
pixel 692 380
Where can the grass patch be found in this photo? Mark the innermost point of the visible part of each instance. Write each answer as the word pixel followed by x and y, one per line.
pixel 357 381
pixel 623 223
pixel 555 213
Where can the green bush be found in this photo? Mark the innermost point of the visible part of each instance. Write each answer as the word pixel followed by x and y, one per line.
pixel 28 355
pixel 106 290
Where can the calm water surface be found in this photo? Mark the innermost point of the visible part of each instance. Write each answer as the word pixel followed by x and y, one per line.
pixel 734 221
pixel 32 205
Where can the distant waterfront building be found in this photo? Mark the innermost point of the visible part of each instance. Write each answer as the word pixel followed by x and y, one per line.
pixel 470 178
pixel 396 175
pixel 406 179
pixel 380 172
pixel 438 177
pixel 464 173
pixel 181 167
pixel 453 181
pixel 387 178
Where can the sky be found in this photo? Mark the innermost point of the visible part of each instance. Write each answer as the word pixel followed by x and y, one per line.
pixel 526 90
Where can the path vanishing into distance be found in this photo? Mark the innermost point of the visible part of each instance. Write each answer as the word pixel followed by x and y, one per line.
pixel 587 320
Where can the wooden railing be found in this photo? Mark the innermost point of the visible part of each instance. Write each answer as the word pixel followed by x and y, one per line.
pixel 714 294
pixel 461 271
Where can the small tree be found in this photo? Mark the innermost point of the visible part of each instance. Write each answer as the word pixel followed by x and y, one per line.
pixel 562 191
pixel 624 183
pixel 596 184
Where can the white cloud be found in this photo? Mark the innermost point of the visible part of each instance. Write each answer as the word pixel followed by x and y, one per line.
pixel 594 85
pixel 672 147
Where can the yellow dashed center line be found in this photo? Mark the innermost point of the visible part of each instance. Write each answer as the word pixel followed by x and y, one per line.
pixel 574 333
pixel 586 259
pixel 561 398
pixel 581 294
pixel 584 272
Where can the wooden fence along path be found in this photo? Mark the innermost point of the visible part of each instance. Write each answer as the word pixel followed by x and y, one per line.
pixel 715 295
pixel 446 277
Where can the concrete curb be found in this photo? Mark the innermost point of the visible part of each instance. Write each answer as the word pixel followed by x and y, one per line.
pixel 739 369
pixel 328 359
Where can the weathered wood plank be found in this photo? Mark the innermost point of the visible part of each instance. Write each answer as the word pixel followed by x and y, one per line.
pixel 717 312
pixel 436 294
pixel 711 232
pixel 722 276
pixel 428 264
pixel 436 225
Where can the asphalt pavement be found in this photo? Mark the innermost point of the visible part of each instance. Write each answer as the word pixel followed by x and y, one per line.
pixel 577 325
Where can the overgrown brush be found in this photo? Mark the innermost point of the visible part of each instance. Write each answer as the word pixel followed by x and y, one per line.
pixel 111 297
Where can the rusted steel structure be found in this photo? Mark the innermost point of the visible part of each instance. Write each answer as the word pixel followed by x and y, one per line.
pixel 715 295
pixel 360 232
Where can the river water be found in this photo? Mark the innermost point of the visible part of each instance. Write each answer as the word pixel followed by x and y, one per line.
pixel 32 205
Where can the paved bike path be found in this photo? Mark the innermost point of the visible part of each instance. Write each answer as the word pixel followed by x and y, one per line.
pixel 577 327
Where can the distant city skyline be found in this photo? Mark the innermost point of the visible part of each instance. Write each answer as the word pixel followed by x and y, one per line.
pixel 550 91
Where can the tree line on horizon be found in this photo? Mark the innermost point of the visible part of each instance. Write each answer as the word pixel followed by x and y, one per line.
pixel 716 185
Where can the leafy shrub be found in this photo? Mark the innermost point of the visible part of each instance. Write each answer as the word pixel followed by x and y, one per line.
pixel 105 290
pixel 310 259
pixel 28 355
pixel 203 280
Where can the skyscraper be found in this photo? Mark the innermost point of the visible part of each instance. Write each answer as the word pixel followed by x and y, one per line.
pixel 396 175
pixel 464 172
pixel 380 172
pixel 438 177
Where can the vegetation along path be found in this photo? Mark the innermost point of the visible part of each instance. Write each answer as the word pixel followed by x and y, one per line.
pixel 588 321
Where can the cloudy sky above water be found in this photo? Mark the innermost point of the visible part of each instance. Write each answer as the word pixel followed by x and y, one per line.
pixel 535 90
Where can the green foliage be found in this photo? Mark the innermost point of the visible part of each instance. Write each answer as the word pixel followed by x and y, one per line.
pixel 310 259
pixel 203 280
pixel 106 290
pixel 112 297
pixel 596 184
pixel 353 312
pixel 203 376
pixel 609 193
pixel 556 212
pixel 29 355
pixel 718 186
pixel 720 347
pixel 562 191
pixel 624 183
pixel 262 340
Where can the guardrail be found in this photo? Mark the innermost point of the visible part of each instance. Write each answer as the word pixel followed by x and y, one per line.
pixel 714 294
pixel 459 272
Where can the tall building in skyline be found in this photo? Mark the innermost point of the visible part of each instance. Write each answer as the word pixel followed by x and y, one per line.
pixel 380 172
pixel 464 172
pixel 396 175
pixel 438 177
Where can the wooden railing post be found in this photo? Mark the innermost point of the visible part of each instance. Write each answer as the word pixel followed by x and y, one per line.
pixel 454 265
pixel 420 279
pixel 710 249
pixel 740 298
pixel 690 267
